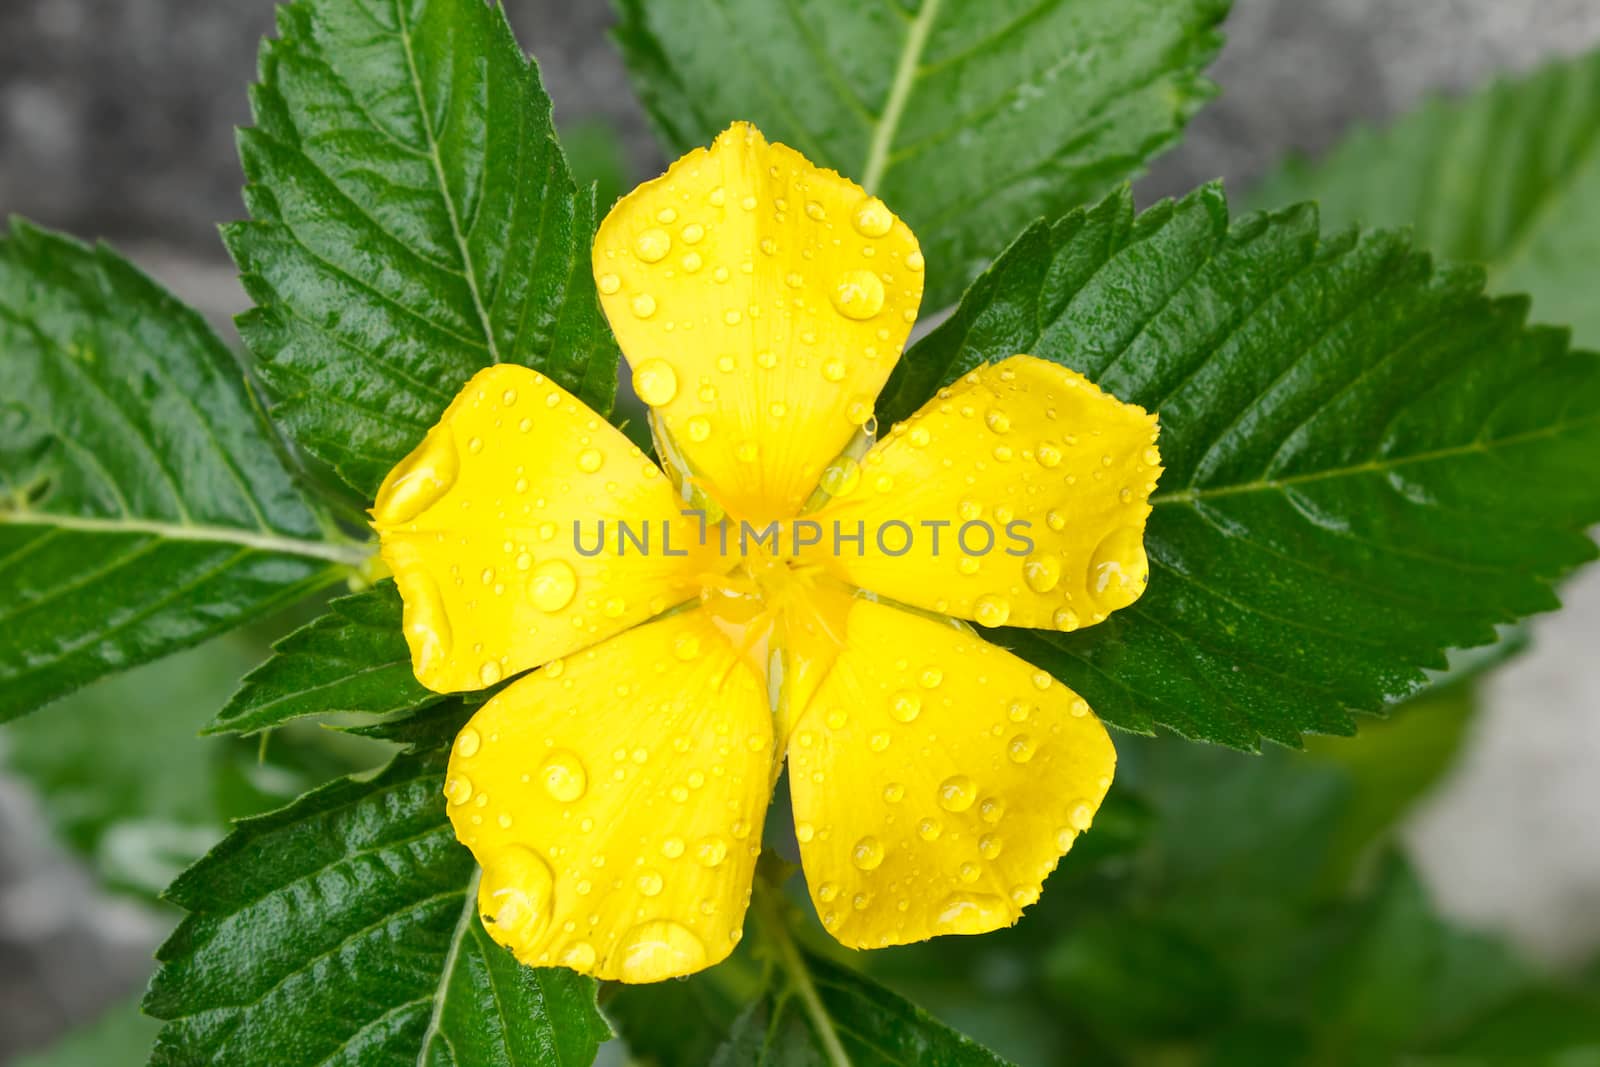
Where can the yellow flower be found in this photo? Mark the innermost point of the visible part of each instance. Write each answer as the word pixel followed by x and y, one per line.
pixel 615 797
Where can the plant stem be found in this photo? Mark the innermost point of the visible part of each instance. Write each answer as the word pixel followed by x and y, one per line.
pixel 768 907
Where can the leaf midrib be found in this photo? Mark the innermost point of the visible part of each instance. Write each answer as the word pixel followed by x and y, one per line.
pixel 469 272
pixel 349 553
pixel 441 992
pixel 905 75
pixel 1197 493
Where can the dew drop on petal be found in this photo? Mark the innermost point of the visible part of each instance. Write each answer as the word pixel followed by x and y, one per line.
pixel 1119 570
pixel 553 585
pixel 858 294
pixel 655 381
pixel 563 776
pixel 957 793
pixel 652 245
pixel 971 913
pixel 659 949
pixel 872 218
pixel 867 854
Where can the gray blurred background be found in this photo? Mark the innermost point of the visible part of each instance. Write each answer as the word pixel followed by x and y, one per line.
pixel 116 122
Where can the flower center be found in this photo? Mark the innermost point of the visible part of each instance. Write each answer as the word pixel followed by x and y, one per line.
pixel 786 618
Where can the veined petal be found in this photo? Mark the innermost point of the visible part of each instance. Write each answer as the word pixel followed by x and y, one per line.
pixel 615 803
pixel 937 780
pixel 1019 495
pixel 483 522
pixel 761 302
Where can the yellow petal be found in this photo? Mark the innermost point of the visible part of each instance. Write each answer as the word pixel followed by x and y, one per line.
pixel 1019 495
pixel 478 526
pixel 937 779
pixel 615 803
pixel 761 302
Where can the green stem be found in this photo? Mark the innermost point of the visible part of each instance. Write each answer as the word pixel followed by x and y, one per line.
pixel 767 907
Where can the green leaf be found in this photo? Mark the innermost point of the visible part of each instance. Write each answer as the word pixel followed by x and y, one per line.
pixel 815 1012
pixel 1367 461
pixel 1508 177
pixel 414 220
pixel 789 1028
pixel 344 928
pixel 968 119
pixel 353 659
pixel 144 501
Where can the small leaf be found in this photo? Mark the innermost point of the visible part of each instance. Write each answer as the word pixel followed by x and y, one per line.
pixel 353 659
pixel 872 1026
pixel 144 501
pixel 1367 461
pixel 414 220
pixel 1508 177
pixel 345 928
pixel 968 119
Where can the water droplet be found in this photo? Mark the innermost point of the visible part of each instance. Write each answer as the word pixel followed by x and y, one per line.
pixel 1041 680
pixel 1119 570
pixel 710 851
pixel 1021 748
pixel 972 913
pixel 992 809
pixel 991 610
pixel 1152 457
pixel 652 245
pixel 579 956
pixel 879 742
pixel 717 197
pixel 591 460
pixel 1080 708
pixel 858 294
pixel 842 477
pixel 804 832
pixel 655 381
pixel 644 305
pixel 553 585
pixel 419 480
pixel 834 370
pixel 468 742
pixel 867 854
pixel 894 792
pixel 905 706
pixel 989 846
pixel 515 892
pixel 929 829
pixel 563 776
pixel 957 793
pixel 699 428
pixel 489 673
pixel 915 262
pixel 1065 620
pixel 458 790
pixel 672 847
pixel 693 232
pixel 650 882
pixel 1042 573
pixel 1081 815
pixel 609 283
pixel 659 949
pixel 919 436
pixel 1048 455
pixel 997 420
pixel 872 218
pixel 969 872
pixel 815 211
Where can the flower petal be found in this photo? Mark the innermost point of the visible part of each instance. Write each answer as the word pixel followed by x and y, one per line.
pixel 761 302
pixel 615 803
pixel 1023 490
pixel 478 526
pixel 936 780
